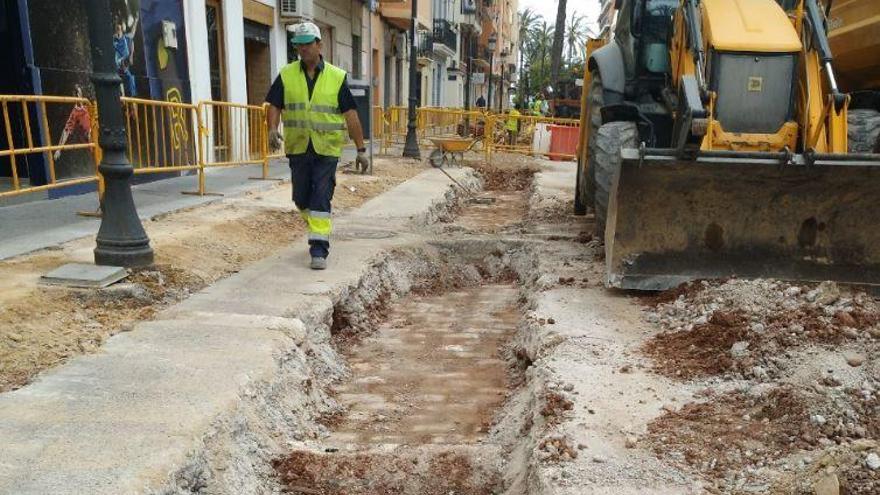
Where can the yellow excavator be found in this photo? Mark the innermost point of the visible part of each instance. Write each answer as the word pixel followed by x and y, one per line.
pixel 854 37
pixel 714 144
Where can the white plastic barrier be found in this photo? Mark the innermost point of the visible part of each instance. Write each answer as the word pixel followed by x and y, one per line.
pixel 541 140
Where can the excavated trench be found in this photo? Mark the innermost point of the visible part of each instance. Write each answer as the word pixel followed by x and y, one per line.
pixel 431 401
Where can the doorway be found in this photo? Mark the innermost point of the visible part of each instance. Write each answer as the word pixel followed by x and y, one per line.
pixel 217 63
pixel 13 80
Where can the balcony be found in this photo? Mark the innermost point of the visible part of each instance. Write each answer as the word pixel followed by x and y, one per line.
pixel 425 52
pixel 398 13
pixel 445 39
pixel 481 58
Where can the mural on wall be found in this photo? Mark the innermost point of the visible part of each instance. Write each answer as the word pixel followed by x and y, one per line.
pixel 150 48
pixel 124 30
pixel 149 45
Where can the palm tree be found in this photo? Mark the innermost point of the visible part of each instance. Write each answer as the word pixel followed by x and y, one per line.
pixel 542 39
pixel 527 21
pixel 559 34
pixel 576 37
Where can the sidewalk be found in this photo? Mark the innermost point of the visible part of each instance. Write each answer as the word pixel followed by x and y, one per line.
pixel 218 374
pixel 27 227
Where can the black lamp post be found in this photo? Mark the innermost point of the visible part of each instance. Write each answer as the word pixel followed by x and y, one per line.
pixel 411 147
pixel 528 68
pixel 493 40
pixel 501 88
pixel 121 239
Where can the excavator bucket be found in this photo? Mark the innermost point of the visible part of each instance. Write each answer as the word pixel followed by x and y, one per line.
pixel 743 214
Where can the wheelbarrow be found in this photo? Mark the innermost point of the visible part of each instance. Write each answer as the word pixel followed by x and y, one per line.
pixel 450 150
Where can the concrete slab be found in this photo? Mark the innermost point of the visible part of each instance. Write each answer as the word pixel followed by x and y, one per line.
pixel 141 410
pixel 85 276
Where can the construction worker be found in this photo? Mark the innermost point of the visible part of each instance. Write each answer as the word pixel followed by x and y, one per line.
pixel 512 125
pixel 313 99
pixel 538 105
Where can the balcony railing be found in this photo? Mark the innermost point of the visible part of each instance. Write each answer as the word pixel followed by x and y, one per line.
pixel 426 44
pixel 444 34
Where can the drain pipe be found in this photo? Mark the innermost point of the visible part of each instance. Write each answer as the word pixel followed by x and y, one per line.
pixel 370 75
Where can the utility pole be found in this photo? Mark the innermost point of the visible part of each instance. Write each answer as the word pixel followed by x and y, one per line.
pixel 467 83
pixel 501 89
pixel 492 43
pixel 411 147
pixel 121 239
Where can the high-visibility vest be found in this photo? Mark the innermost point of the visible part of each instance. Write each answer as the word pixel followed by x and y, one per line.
pixel 511 120
pixel 537 105
pixel 317 118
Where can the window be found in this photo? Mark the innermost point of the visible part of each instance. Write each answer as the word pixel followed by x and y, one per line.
pixel 356 57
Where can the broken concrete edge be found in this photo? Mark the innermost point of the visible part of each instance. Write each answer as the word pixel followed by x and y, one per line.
pixel 232 433
pixel 269 421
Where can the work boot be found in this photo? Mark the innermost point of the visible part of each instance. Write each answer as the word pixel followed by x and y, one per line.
pixel 318 263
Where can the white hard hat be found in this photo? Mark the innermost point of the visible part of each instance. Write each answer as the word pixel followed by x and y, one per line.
pixel 304 33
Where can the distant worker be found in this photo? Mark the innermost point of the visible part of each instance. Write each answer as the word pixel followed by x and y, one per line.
pixel 512 125
pixel 538 105
pixel 314 101
pixel 481 102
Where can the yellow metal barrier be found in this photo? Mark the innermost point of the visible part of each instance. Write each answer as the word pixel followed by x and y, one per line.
pixel 79 126
pixel 161 135
pixel 394 131
pixel 430 121
pixel 232 134
pixel 531 137
pixel 171 136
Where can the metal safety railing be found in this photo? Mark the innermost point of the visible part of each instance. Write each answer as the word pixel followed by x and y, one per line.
pixel 28 132
pixel 554 138
pixel 161 135
pixel 434 121
pixel 233 134
pixel 172 136
pixel 430 121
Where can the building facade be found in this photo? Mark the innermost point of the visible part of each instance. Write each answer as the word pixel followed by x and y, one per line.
pixel 231 50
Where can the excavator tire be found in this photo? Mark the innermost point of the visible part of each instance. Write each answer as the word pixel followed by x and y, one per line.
pixel 610 139
pixel 596 101
pixel 863 130
pixel 580 206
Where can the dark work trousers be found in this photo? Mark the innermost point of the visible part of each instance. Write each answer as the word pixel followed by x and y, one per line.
pixel 314 179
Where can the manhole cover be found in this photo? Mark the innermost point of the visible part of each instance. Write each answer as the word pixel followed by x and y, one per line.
pixel 367 234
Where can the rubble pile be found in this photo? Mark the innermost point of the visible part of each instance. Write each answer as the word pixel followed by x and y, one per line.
pixel 789 397
pixel 754 328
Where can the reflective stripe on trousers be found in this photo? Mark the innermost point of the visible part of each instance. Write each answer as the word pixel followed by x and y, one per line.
pixel 319 223
pixel 314 179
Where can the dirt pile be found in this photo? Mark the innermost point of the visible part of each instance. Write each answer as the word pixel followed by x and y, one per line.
pixel 789 397
pixel 402 471
pixel 781 436
pixel 748 328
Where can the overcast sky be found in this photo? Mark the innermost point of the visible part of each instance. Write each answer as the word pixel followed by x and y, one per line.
pixel 547 8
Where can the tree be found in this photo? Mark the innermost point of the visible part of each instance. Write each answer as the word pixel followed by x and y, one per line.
pixel 576 38
pixel 527 21
pixel 556 52
pixel 541 41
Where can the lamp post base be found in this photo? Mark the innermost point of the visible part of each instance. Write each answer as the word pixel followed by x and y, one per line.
pixel 121 239
pixel 411 147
